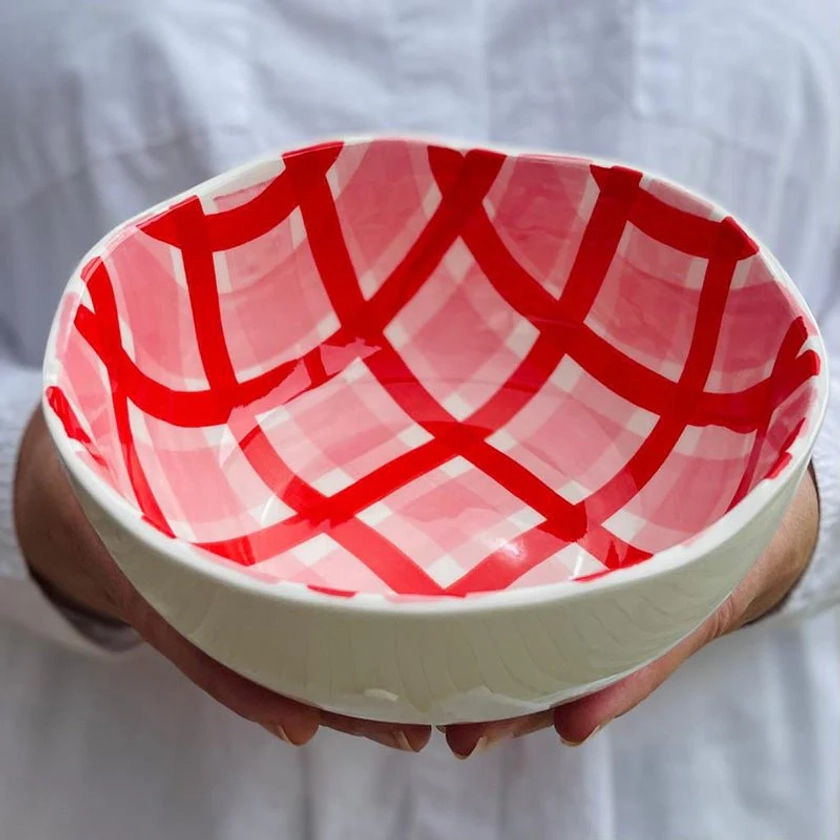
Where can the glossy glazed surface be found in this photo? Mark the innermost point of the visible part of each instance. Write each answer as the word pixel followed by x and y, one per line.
pixel 405 369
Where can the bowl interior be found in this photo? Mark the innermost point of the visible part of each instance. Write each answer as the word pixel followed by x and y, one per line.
pixel 401 368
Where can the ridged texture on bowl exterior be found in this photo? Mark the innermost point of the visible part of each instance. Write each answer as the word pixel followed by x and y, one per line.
pixel 439 668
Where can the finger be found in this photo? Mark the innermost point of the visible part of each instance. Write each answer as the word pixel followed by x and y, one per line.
pixel 764 586
pixel 289 720
pixel 466 739
pixel 404 737
pixel 579 720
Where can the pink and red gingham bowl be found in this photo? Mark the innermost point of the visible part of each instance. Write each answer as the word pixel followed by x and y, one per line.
pixel 423 433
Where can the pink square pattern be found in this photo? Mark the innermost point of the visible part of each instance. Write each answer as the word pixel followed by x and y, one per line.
pixel 411 370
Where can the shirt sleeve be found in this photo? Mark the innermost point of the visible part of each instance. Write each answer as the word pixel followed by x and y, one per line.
pixel 22 601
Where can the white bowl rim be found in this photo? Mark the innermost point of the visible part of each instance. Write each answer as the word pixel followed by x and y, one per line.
pixel 704 542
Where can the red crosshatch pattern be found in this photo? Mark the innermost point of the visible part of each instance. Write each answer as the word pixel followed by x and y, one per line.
pixel 396 368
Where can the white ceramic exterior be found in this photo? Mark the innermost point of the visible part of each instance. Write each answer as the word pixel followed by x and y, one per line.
pixel 492 658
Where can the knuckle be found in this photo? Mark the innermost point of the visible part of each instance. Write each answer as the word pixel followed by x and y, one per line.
pixel 724 619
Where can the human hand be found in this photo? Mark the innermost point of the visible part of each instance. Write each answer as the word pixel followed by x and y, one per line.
pixel 764 588
pixel 66 555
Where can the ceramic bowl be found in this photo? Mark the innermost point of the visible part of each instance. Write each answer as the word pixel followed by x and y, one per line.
pixel 426 433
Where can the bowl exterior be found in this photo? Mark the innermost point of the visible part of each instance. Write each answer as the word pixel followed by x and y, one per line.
pixel 447 666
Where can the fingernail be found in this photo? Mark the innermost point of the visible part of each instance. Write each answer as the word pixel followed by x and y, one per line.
pixel 277 731
pixel 482 745
pixel 402 741
pixel 396 740
pixel 589 737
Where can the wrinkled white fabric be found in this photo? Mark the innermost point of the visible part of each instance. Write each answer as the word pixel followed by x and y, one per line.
pixel 107 108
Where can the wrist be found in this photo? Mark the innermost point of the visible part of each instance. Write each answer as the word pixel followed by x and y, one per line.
pixel 794 549
pixel 90 609
pixel 62 552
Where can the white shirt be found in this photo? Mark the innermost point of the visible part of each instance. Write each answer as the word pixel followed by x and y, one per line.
pixel 109 107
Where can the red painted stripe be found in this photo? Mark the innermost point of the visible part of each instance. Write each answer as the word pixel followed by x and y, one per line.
pixel 240 225
pixel 375 486
pixel 198 409
pixel 513 395
pixel 630 379
pixel 312 516
pixel 504 567
pixel 330 254
pixel 384 559
pixel 459 200
pixel 619 189
pixel 203 291
pixel 785 457
pixel 792 342
pixel 295 535
pixel 595 254
pixel 654 451
pixel 612 551
pixel 568 520
pixel 105 305
pixel 395 568
pixel 739 411
pixel 464 181
pixel 687 232
pixel 58 402
pixel 316 513
pixel 624 376
pixel 327 590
